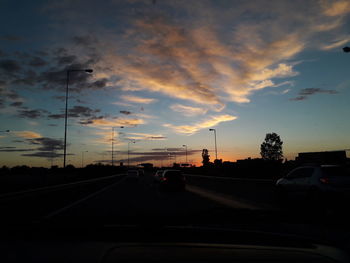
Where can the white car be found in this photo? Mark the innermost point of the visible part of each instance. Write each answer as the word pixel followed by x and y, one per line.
pixel 316 181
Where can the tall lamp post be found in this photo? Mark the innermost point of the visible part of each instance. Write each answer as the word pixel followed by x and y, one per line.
pixel 216 150
pixel 113 144
pixel 82 158
pixel 133 141
pixel 186 151
pixel 66 113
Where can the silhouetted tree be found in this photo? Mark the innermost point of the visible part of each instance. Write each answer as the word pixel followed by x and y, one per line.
pixel 206 157
pixel 271 148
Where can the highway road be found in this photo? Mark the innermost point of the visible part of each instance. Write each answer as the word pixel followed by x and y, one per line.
pixel 136 199
pixel 127 201
pixel 140 202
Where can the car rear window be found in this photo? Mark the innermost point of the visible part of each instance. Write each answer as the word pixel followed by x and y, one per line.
pixel 335 171
pixel 173 174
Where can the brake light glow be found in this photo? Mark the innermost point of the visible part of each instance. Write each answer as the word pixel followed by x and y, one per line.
pixel 324 180
pixel 164 178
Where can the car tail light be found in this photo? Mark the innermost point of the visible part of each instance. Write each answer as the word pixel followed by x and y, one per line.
pixel 324 180
pixel 164 178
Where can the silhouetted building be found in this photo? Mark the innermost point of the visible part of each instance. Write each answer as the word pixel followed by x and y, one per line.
pixel 334 157
pixel 147 165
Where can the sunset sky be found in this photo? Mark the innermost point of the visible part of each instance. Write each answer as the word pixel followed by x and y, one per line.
pixel 168 71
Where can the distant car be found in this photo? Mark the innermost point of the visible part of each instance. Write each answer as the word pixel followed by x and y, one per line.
pixel 133 174
pixel 158 175
pixel 172 180
pixel 316 181
pixel 141 172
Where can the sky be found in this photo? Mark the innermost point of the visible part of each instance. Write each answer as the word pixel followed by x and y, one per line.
pixel 168 71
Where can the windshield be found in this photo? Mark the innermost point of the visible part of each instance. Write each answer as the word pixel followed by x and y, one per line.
pixel 230 95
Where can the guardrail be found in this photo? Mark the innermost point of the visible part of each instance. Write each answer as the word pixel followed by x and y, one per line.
pixel 21 194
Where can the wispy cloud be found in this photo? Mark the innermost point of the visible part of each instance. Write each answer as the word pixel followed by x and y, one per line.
pixel 154 155
pixel 105 122
pixel 119 103
pixel 27 134
pixel 340 42
pixel 285 91
pixel 298 98
pixel 210 122
pixel 336 8
pixel 312 91
pixel 304 93
pixel 197 62
pixel 188 110
pixel 144 136
pixel 136 99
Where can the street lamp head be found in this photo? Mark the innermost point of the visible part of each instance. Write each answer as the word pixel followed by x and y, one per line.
pixel 121 126
pixel 89 70
pixel 211 129
pixel 346 49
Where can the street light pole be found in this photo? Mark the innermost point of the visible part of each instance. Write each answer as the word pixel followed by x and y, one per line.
pixel 66 112
pixel 82 158
pixel 113 144
pixel 169 157
pixel 216 150
pixel 129 152
pixel 186 151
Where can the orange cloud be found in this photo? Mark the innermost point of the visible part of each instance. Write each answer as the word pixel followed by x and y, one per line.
pixel 105 137
pixel 191 129
pixel 137 99
pixel 27 134
pixel 337 43
pixel 145 136
pixel 195 61
pixel 336 8
pixel 188 110
pixel 116 122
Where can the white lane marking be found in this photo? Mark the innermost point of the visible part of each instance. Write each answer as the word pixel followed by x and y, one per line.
pixel 56 212
pixel 219 198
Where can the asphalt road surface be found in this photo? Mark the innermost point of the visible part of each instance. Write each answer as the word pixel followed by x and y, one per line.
pixel 136 199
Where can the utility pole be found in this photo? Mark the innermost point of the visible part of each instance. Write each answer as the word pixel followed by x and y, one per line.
pixel 216 150
pixel 186 151
pixel 112 145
